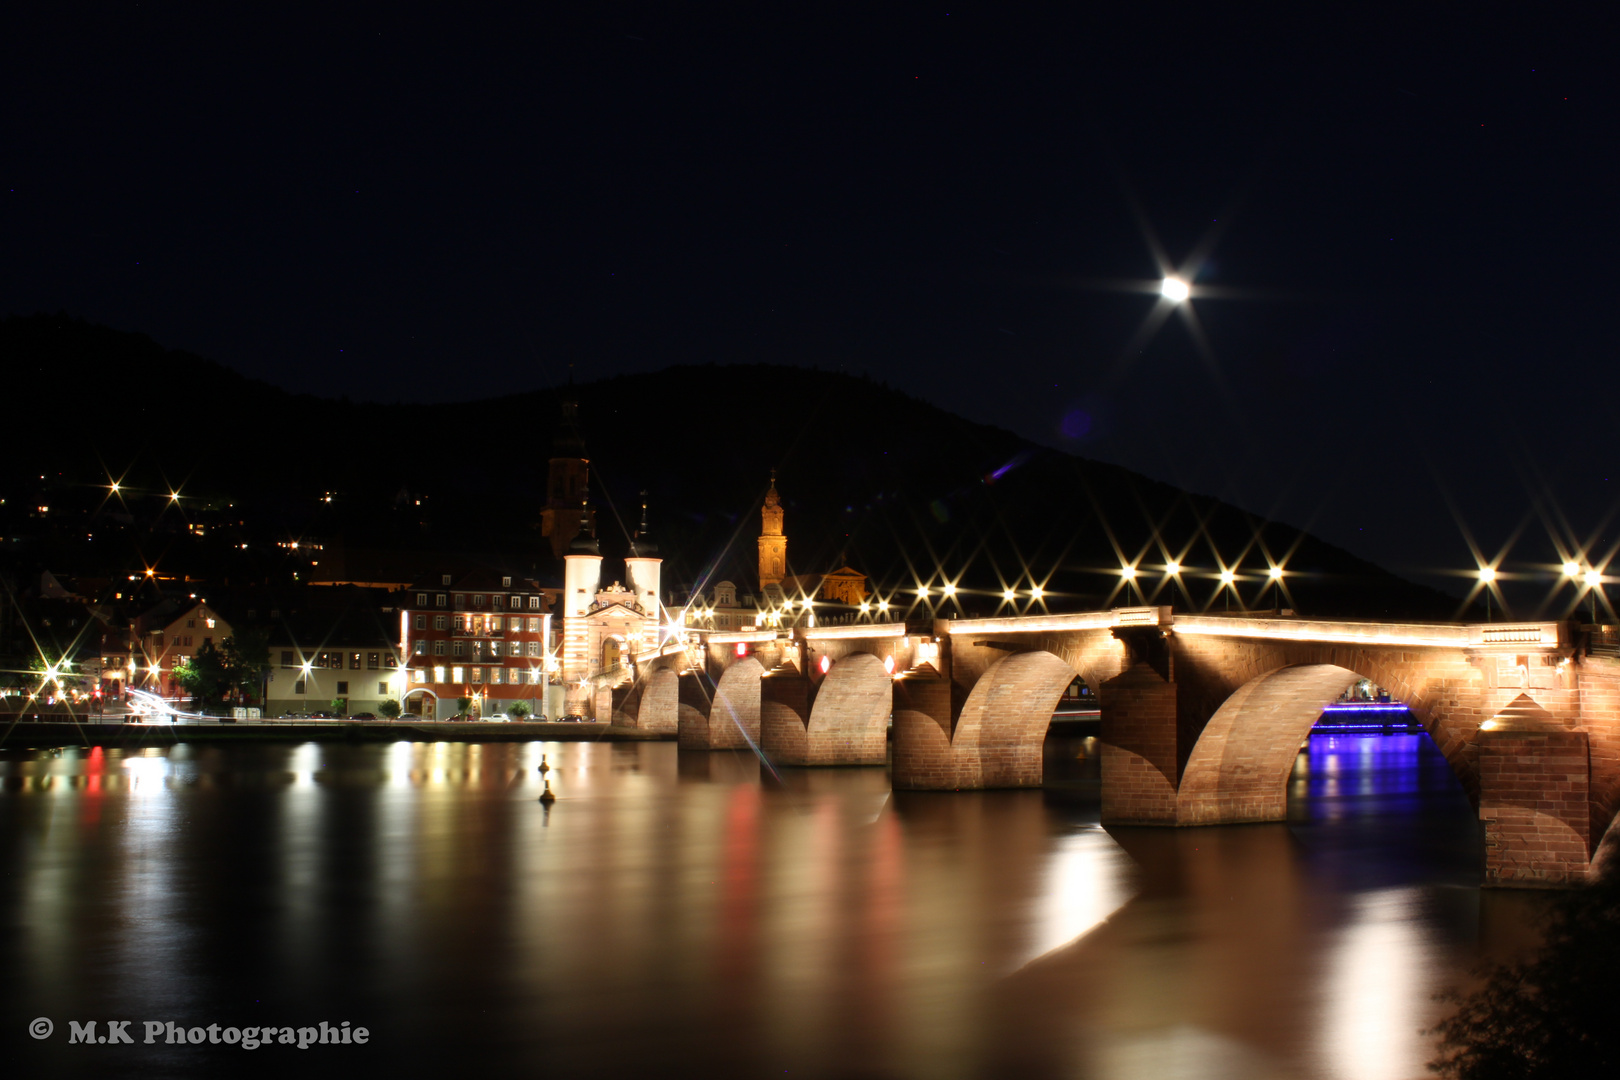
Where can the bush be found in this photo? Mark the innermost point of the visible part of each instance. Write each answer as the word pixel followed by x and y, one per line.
pixel 518 710
pixel 389 710
pixel 1553 1016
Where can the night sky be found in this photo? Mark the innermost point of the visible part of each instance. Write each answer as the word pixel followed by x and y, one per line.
pixel 1403 231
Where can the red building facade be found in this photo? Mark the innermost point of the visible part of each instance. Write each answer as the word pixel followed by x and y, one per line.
pixel 482 636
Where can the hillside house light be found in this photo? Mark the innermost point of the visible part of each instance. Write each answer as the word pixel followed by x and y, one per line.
pixel 1174 290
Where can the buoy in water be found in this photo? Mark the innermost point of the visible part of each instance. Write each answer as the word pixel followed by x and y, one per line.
pixel 546 796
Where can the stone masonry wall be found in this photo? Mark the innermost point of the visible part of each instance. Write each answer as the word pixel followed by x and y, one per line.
pixel 1139 749
pixel 1534 800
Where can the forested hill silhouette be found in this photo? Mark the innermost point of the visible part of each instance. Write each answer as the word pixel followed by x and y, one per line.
pixel 909 494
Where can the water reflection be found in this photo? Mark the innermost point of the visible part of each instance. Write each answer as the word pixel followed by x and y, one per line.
pixel 692 912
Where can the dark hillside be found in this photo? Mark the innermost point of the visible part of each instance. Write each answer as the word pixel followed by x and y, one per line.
pixel 906 492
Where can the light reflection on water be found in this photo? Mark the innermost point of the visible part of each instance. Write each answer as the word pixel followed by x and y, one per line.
pixel 678 913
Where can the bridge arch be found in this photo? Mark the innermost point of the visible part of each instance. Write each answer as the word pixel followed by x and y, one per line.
pixel 848 719
pixel 998 737
pixel 731 720
pixel 1238 769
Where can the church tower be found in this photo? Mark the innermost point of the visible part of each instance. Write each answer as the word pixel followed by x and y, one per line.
pixel 566 514
pixel 772 544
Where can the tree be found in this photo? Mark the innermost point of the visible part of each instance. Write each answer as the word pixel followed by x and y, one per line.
pixel 518 710
pixel 246 656
pixel 1552 1016
pixel 463 707
pixel 388 709
pixel 204 676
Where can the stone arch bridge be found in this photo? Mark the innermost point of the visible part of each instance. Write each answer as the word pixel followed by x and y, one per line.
pixel 1202 715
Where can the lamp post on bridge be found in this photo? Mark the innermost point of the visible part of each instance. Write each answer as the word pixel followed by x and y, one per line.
pixel 1487 575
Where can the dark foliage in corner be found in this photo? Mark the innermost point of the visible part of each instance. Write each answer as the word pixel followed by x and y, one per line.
pixel 1553 1016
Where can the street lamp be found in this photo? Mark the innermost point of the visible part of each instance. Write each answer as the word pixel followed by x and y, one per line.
pixel 1228 586
pixel 1594 582
pixel 1487 576
pixel 1128 574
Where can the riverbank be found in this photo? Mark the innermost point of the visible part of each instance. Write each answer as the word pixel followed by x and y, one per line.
pixel 28 734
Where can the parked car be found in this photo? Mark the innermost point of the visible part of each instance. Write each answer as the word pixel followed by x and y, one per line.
pixel 321 715
pixel 363 716
pixel 571 718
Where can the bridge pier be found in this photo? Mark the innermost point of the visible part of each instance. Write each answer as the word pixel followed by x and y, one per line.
pixel 842 724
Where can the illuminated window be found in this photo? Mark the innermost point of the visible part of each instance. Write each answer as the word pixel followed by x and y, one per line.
pixel 494 674
pixel 421 648
pixel 458 674
pixel 438 674
pixel 372 661
pixel 390 661
pixel 516 678
pixel 354 661
pixel 419 675
pixel 516 649
pixel 534 625
pixel 534 648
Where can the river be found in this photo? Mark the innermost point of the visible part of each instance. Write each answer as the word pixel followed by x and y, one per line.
pixel 698 914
